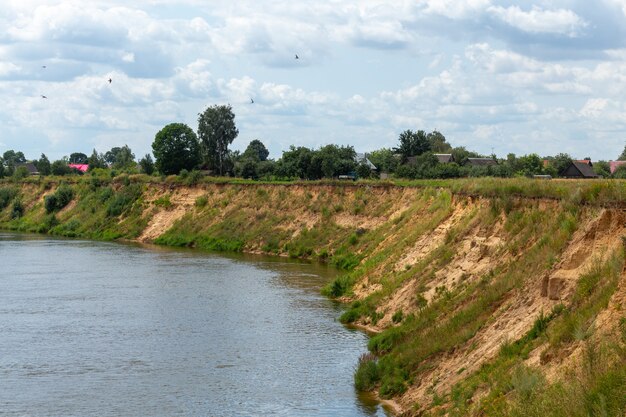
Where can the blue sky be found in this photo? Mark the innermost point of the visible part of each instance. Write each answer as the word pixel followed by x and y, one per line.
pixel 524 77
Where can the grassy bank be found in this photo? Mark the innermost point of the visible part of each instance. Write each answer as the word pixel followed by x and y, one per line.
pixel 479 290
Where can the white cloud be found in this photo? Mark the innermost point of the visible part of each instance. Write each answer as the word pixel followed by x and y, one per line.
pixel 538 20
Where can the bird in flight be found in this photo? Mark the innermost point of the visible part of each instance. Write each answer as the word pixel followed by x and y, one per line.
pixel 110 81
pixel 251 101
pixel 297 57
pixel 42 96
pixel 43 66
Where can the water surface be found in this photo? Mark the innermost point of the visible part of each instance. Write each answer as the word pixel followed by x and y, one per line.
pixel 105 329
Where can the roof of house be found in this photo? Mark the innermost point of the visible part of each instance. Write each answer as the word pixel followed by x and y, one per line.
pixel 584 161
pixel 580 169
pixel 32 169
pixel 481 161
pixel 613 165
pixel 362 158
pixel 444 157
pixel 80 167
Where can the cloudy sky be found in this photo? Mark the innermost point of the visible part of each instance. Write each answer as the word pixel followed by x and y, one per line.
pixel 524 77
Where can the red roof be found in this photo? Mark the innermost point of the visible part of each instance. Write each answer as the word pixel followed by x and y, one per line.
pixel 614 164
pixel 80 167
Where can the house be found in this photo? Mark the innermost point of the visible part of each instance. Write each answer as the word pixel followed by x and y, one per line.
pixel 32 169
pixel 79 167
pixel 580 169
pixel 445 158
pixel 613 165
pixel 361 158
pixel 481 162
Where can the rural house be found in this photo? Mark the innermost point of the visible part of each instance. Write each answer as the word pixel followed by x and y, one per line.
pixel 445 158
pixel 580 169
pixel 481 162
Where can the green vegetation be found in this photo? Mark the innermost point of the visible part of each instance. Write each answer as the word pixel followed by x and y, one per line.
pixel 366 229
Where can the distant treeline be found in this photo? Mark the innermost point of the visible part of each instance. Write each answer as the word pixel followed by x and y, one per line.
pixel 177 148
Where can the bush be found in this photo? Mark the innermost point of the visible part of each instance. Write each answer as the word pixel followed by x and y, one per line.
pixel 61 198
pixel 202 201
pixel 123 200
pixel 397 316
pixel 6 195
pixel 50 203
pixel 17 210
pixel 366 375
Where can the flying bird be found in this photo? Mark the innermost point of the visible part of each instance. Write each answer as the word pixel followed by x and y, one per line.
pixel 42 96
pixel 251 101
pixel 297 57
pixel 110 81
pixel 43 66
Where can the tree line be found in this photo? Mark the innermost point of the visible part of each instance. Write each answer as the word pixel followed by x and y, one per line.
pixel 177 148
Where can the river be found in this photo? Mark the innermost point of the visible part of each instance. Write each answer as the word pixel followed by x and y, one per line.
pixel 108 329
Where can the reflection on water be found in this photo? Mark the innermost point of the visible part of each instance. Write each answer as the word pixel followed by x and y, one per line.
pixel 103 329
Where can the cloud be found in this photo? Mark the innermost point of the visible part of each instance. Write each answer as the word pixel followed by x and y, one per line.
pixel 537 20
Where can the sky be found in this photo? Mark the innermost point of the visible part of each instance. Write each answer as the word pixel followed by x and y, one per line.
pixel 494 76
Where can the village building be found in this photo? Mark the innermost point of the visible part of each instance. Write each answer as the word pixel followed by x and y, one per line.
pixel 580 169
pixel 32 169
pixel 361 158
pixel 481 162
pixel 613 165
pixel 445 158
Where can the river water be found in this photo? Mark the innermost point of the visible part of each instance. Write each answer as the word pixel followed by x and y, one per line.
pixel 106 329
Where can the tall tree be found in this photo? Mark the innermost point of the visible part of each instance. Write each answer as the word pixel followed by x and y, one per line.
pixel 176 147
pixel 622 157
pixel 120 157
pixel 216 130
pixel 1 167
pixel 412 144
pixel 147 164
pixel 12 158
pixel 78 158
pixel 561 162
pixel 43 165
pixel 256 150
pixel 437 142
pixel 96 160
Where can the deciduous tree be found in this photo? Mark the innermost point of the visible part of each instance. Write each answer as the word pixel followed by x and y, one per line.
pixel 216 130
pixel 176 147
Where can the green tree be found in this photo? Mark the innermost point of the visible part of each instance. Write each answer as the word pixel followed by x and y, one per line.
pixel 295 163
pixel 412 144
pixel 248 169
pixel 216 130
pixel 384 159
pixel 60 168
pixel 363 171
pixel 120 157
pixel 11 159
pixel 78 158
pixel 530 164
pixel 257 151
pixel 602 168
pixel 43 165
pixel 96 160
pixel 560 162
pixel 176 147
pixel 147 164
pixel 330 161
pixel 461 155
pixel 1 167
pixel 437 142
pixel 622 156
